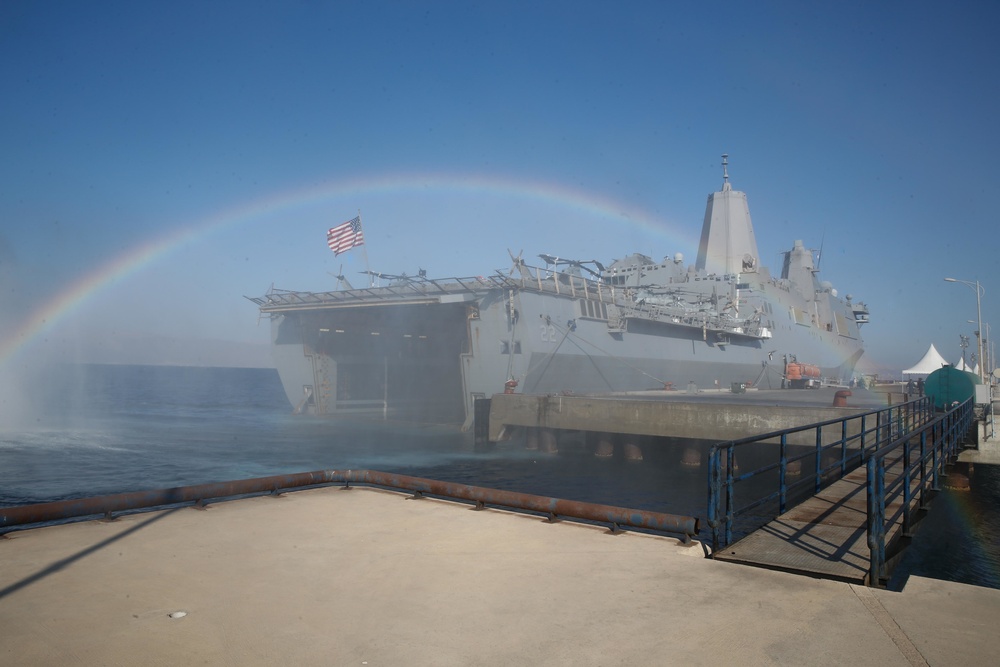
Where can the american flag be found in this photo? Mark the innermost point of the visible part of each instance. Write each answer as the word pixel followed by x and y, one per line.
pixel 346 236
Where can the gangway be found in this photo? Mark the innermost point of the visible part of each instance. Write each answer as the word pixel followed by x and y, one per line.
pixel 871 476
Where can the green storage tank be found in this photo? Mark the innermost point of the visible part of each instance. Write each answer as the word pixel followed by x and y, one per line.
pixel 948 385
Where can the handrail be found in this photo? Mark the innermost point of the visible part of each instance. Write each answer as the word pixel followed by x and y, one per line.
pixel 920 473
pixel 482 496
pixel 853 438
pixel 410 289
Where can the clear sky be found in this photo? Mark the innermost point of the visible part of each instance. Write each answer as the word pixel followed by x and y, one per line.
pixel 159 161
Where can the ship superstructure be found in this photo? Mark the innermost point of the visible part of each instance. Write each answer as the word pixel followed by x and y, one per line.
pixel 423 349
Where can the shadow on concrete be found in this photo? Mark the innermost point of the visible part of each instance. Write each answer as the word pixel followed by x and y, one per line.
pixel 69 560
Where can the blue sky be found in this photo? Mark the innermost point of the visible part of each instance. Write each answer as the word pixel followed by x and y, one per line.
pixel 231 135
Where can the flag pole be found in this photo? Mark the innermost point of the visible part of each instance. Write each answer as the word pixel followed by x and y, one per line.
pixel 364 249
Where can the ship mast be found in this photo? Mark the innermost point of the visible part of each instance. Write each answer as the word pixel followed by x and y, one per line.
pixel 728 245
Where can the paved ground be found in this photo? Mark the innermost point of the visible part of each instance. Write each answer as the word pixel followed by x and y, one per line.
pixel 368 577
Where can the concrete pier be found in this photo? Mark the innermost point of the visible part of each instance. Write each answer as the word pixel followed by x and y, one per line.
pixel 365 576
pixel 701 416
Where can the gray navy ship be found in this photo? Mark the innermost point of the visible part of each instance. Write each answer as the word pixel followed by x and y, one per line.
pixel 423 349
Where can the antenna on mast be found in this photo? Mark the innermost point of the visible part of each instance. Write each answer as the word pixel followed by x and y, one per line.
pixel 725 172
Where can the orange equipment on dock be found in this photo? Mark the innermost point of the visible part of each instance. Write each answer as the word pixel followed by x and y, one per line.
pixel 801 375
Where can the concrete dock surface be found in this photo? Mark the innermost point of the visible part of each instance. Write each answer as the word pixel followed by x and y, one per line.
pixel 371 577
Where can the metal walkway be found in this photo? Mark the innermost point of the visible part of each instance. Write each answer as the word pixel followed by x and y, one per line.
pixel 825 536
pixel 849 529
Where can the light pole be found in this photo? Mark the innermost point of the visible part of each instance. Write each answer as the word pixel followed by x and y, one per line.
pixel 988 370
pixel 979 315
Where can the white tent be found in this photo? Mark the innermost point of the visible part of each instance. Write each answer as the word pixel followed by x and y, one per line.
pixel 962 366
pixel 930 363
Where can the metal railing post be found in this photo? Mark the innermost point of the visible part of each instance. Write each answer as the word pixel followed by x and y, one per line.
pixel 862 439
pixel 713 496
pixel 873 564
pixel 783 462
pixel 880 513
pixel 893 420
pixel 949 434
pixel 937 431
pixel 843 448
pixel 730 504
pixel 876 519
pixel 878 431
pixel 907 492
pixel 819 458
pixel 923 469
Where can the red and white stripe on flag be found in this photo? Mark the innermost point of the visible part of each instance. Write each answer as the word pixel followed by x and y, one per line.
pixel 345 236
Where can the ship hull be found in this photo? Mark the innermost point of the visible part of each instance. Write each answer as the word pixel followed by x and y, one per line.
pixel 391 359
pixel 425 349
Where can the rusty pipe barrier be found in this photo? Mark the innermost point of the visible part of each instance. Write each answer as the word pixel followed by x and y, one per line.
pixel 482 496
pixel 119 502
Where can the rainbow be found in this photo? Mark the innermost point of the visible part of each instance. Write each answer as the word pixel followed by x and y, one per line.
pixel 43 318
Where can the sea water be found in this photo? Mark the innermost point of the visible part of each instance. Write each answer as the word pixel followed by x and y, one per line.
pixel 84 430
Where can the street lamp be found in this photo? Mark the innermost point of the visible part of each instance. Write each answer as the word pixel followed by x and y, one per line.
pixel 980 290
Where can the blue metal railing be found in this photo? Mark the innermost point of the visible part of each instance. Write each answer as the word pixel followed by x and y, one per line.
pixel 836 445
pixel 924 453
